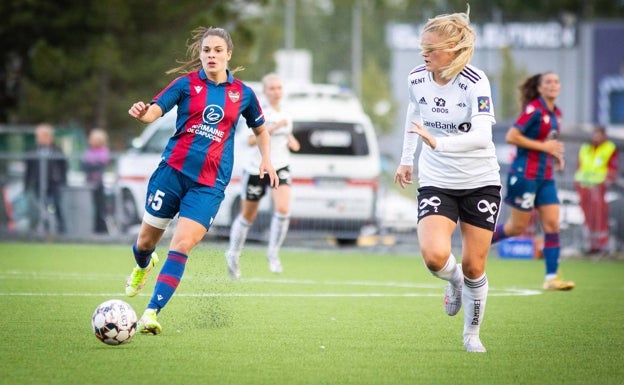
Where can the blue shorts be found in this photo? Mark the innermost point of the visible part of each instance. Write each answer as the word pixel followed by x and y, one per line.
pixel 525 194
pixel 169 192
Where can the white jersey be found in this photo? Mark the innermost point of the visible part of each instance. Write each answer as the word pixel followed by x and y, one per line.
pixel 460 115
pixel 280 153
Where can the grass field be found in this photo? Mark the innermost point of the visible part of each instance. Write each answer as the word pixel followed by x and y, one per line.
pixel 333 317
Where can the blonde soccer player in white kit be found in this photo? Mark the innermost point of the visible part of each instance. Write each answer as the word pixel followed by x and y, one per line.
pixel 280 127
pixel 450 110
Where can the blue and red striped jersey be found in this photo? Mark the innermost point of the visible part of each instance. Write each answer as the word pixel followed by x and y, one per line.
pixel 539 123
pixel 202 146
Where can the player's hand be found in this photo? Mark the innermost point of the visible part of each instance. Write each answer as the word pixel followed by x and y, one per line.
pixel 266 169
pixel 403 175
pixel 138 109
pixel 556 149
pixel 559 163
pixel 426 136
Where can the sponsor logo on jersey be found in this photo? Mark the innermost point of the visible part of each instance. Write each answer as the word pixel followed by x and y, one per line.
pixel 213 114
pixel 422 101
pixel 448 127
pixel 417 81
pixel 464 127
pixel 484 103
pixel 440 106
pixel 198 89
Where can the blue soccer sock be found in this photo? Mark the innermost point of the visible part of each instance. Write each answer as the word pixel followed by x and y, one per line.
pixel 499 233
pixel 168 280
pixel 142 258
pixel 552 248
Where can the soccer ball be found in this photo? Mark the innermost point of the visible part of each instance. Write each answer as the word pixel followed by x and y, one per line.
pixel 114 322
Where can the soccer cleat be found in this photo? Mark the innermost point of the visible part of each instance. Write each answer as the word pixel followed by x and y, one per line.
pixel 558 284
pixel 148 324
pixel 136 280
pixel 275 265
pixel 232 265
pixel 452 298
pixel 473 344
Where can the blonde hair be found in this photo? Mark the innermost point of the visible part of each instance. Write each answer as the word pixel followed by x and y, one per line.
pixel 266 79
pixel 193 49
pixel 98 137
pixel 458 36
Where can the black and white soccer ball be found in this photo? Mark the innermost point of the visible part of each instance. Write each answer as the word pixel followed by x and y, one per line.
pixel 114 322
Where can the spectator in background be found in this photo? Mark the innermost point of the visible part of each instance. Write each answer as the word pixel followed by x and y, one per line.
pixel 46 174
pixel 530 181
pixel 596 171
pixel 279 125
pixel 94 162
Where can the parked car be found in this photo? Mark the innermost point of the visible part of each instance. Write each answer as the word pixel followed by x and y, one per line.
pixel 335 173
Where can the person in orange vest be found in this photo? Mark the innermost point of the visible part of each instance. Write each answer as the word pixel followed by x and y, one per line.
pixel 596 171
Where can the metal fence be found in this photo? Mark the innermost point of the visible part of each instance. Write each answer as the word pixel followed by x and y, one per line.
pixel 25 217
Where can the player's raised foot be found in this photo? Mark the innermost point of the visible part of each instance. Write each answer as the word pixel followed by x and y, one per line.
pixel 452 299
pixel 473 344
pixel 232 265
pixel 275 265
pixel 558 284
pixel 148 324
pixel 138 277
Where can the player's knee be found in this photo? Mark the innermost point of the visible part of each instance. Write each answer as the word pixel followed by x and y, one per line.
pixel 514 229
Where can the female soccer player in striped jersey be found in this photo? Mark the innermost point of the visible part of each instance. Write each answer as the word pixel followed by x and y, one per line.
pixel 450 110
pixel 196 164
pixel 530 182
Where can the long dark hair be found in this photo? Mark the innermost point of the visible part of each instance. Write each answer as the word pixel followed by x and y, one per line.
pixel 194 47
pixel 528 88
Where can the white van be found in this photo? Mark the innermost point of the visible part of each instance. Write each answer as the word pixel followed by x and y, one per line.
pixel 335 174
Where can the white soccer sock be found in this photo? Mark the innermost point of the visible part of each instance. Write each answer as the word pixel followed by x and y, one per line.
pixel 450 272
pixel 238 235
pixel 277 234
pixel 474 295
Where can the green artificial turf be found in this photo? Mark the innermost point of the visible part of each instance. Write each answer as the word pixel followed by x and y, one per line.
pixel 333 317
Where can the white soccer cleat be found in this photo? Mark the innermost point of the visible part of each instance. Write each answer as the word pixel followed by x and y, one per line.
pixel 233 267
pixel 452 298
pixel 275 265
pixel 473 344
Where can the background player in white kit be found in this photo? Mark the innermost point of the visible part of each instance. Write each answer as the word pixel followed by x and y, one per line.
pixel 279 125
pixel 450 109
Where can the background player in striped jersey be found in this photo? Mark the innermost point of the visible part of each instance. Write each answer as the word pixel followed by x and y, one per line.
pixel 530 182
pixel 450 110
pixel 280 126
pixel 196 164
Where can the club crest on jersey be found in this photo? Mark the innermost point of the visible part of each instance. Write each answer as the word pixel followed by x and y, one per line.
pixel 234 96
pixel 484 103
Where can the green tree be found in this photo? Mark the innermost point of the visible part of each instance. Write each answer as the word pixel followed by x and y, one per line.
pixel 510 77
pixel 89 60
